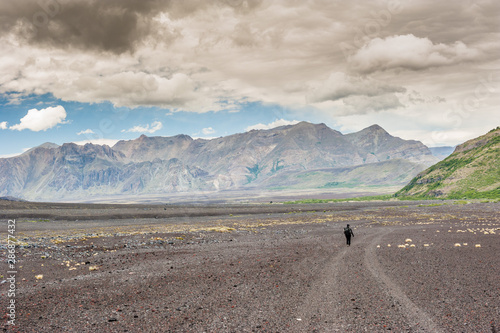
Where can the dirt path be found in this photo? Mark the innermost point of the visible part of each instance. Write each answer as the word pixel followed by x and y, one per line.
pixel 418 319
pixel 321 308
pixel 352 293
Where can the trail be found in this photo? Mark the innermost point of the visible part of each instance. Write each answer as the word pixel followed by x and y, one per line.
pixel 344 297
pixel 324 308
pixel 417 318
pixel 321 308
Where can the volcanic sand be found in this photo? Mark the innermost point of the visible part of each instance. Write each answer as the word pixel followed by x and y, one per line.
pixel 412 267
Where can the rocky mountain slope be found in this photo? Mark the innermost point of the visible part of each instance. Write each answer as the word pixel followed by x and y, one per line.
pixel 472 171
pixel 304 155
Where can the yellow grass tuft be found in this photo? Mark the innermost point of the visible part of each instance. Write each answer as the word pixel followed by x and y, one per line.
pixel 221 229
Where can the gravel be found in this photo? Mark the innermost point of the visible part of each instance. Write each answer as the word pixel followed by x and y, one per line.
pixel 282 272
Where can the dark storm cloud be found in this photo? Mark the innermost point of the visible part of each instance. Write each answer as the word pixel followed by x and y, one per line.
pixel 112 25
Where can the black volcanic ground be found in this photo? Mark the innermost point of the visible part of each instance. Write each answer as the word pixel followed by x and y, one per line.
pixel 412 267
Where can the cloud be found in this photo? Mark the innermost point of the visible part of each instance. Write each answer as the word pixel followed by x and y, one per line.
pixel 114 26
pixel 202 56
pixel 87 131
pixel 136 88
pixel 363 104
pixel 409 52
pixel 14 154
pixel 3 125
pixel 208 130
pixel 276 123
pixel 154 127
pixel 41 120
pixel 339 86
pixel 342 95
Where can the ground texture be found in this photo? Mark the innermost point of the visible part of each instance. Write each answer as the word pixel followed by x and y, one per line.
pixel 412 267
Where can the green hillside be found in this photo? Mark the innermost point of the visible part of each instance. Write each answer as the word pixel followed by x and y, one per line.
pixel 472 171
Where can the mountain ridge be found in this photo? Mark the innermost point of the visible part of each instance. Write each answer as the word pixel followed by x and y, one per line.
pixel 180 163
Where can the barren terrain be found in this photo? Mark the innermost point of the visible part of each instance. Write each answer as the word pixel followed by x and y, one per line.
pixel 412 267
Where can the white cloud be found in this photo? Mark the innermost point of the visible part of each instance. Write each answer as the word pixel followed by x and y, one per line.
pixel 41 120
pixel 135 88
pixel 276 123
pixel 409 52
pixel 208 130
pixel 87 131
pixel 15 154
pixel 154 127
pixel 3 125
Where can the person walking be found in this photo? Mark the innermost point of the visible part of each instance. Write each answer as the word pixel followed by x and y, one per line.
pixel 348 233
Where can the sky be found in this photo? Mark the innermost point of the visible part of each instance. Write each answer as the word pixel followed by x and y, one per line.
pixel 102 71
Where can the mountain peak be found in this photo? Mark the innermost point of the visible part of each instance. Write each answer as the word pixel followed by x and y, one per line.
pixel 308 124
pixel 183 137
pixel 305 124
pixel 46 145
pixel 374 129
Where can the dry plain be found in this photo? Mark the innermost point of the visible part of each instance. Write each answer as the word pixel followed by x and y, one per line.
pixel 412 267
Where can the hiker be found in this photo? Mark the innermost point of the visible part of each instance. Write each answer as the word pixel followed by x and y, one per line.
pixel 348 233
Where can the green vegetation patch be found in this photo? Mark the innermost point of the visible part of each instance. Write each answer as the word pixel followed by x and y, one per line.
pixel 486 171
pixel 276 166
pixel 340 185
pixel 473 194
pixel 367 198
pixel 254 173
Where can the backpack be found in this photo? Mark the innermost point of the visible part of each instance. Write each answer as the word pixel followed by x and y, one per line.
pixel 347 231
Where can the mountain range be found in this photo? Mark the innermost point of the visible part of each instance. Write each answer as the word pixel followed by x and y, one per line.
pixel 472 171
pixel 297 156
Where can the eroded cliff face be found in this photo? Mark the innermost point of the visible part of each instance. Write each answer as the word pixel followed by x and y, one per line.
pixel 259 158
